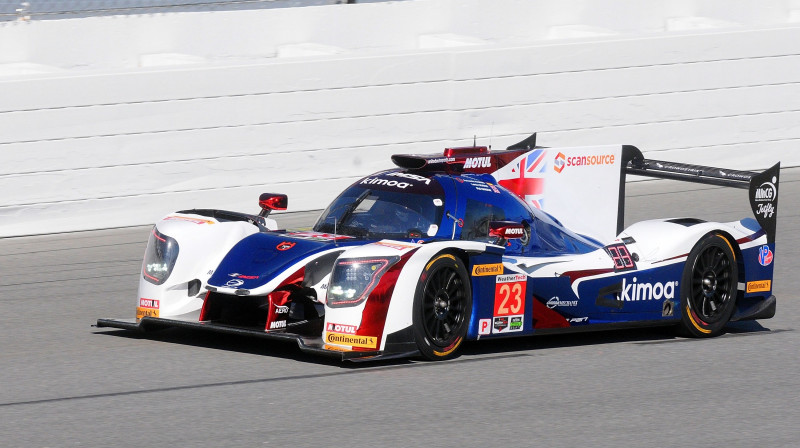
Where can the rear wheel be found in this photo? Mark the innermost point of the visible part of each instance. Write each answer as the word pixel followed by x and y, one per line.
pixel 708 287
pixel 442 307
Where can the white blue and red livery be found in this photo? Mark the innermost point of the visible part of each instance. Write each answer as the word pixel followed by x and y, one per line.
pixel 464 245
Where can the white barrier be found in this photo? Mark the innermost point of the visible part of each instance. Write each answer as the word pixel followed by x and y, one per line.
pixel 117 145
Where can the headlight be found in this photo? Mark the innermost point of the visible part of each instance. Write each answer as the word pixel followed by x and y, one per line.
pixel 160 257
pixel 352 280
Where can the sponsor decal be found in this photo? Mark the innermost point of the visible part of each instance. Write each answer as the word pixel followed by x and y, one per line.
pixel 186 218
pixel 764 256
pixel 509 294
pixel 278 324
pixel 493 188
pixel 234 283
pixel 511 231
pixel 281 309
pixel 478 162
pixel 560 162
pixel 441 160
pixel 507 324
pixel 765 195
pixel 149 303
pixel 410 176
pixel 500 324
pixel 577 320
pixel 351 340
pixel 146 312
pixel 242 276
pixel 319 235
pixel 634 292
pixel 766 192
pixel 147 308
pixel 286 245
pixel 759 286
pixel 555 301
pixel 394 245
pixel 480 270
pixel 437 202
pixel 340 328
pixel 484 326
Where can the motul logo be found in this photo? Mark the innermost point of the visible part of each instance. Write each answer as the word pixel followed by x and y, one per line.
pixel 339 328
pixel 478 162
pixel 514 231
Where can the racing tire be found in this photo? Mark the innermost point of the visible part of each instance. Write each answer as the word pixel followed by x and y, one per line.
pixel 708 287
pixel 442 308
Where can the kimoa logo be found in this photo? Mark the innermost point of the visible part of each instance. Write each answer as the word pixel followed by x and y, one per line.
pixel 632 292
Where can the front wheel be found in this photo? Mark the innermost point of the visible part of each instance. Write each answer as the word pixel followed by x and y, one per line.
pixel 708 287
pixel 442 307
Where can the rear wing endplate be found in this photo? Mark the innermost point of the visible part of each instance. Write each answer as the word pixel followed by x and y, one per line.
pixel 762 186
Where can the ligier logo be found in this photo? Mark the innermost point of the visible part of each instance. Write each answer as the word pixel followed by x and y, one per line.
pixel 764 256
pixel 560 162
pixel 633 292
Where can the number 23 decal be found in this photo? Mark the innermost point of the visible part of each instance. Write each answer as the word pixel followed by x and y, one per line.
pixel 509 298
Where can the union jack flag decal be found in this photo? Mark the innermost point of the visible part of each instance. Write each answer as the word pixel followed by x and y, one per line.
pixel 528 182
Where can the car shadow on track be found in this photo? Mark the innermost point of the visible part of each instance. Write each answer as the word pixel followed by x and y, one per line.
pixel 472 350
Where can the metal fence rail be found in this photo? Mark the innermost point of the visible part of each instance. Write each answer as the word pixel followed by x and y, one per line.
pixel 61 9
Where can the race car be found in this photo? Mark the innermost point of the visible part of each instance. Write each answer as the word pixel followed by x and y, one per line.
pixel 468 244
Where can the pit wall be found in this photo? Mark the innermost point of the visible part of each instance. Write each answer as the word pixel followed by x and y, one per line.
pixel 117 121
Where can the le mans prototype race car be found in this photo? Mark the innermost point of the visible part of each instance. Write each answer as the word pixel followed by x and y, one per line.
pixel 463 245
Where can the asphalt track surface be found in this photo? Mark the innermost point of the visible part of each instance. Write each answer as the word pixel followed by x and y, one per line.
pixel 64 383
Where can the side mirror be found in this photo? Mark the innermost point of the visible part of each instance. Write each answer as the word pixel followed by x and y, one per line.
pixel 271 201
pixel 506 230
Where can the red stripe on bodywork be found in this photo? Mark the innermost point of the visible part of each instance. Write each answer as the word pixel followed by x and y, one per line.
pixel 373 318
pixel 544 317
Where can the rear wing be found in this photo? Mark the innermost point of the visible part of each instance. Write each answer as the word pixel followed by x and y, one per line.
pixel 762 186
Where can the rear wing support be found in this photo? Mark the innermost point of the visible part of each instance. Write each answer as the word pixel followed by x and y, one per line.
pixel 762 186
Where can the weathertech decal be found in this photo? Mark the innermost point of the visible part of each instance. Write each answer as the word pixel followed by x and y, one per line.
pixel 759 286
pixel 351 340
pixel 480 270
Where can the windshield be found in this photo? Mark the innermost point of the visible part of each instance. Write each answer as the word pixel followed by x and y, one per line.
pixel 376 213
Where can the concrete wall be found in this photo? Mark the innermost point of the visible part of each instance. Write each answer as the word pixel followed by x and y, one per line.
pixel 115 121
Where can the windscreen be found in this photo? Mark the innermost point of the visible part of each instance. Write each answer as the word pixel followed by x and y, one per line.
pixel 377 212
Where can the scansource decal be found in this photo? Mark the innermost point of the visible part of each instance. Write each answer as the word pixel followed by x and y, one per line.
pixel 561 161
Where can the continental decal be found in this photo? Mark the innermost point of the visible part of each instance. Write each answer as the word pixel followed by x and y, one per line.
pixel 759 286
pixel 480 270
pixel 146 312
pixel 352 340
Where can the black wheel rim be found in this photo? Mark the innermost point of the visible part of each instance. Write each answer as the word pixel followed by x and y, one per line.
pixel 711 284
pixel 443 310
